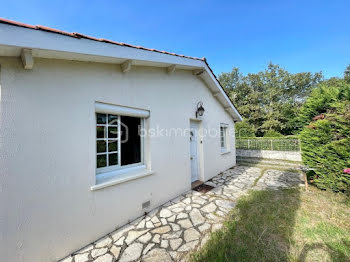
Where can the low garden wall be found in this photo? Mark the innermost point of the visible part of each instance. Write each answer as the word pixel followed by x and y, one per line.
pixel 286 148
pixel 269 154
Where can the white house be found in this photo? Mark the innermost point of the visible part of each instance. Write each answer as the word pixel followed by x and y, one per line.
pixel 73 163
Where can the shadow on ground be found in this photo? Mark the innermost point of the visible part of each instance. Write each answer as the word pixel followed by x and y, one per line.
pixel 334 253
pixel 262 228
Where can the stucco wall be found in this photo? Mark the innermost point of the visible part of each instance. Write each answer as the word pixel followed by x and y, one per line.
pixel 47 151
pixel 270 154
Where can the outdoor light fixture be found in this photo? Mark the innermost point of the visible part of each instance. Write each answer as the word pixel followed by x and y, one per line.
pixel 200 109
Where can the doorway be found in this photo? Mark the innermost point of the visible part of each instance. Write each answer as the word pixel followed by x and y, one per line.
pixel 194 150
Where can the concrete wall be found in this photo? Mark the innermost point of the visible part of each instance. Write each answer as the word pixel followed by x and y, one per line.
pixel 270 154
pixel 47 151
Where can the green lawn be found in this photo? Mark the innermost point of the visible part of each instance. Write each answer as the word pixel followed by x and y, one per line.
pixel 284 225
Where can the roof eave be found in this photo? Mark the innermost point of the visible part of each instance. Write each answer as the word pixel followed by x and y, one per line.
pixel 15 38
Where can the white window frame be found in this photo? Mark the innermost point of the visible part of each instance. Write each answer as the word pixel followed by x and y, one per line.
pixel 108 171
pixel 224 135
pixel 108 167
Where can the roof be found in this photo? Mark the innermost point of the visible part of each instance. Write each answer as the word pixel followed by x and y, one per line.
pixel 78 35
pixel 75 35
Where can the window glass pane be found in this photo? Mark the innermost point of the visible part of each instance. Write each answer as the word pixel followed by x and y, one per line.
pixel 223 136
pixel 100 131
pixel 108 145
pixel 101 118
pixel 112 145
pixel 101 146
pixel 112 120
pixel 101 161
pixel 113 159
pixel 112 132
pixel 130 140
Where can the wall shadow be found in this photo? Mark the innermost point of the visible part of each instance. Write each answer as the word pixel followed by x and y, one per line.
pixel 332 249
pixel 263 225
pixel 258 229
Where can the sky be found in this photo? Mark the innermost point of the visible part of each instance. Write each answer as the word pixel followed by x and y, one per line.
pixel 300 36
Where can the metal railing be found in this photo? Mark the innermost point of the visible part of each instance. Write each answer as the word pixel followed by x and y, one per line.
pixel 262 143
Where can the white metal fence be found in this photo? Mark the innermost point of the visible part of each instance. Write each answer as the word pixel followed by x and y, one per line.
pixel 277 144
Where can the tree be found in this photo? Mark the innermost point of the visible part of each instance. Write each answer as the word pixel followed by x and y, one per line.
pixel 321 98
pixel 269 100
pixel 244 129
pixel 347 74
pixel 325 140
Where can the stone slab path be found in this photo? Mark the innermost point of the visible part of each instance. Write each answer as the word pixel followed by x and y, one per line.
pixel 184 224
pixel 277 179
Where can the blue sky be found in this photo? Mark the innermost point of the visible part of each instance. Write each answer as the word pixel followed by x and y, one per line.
pixel 299 35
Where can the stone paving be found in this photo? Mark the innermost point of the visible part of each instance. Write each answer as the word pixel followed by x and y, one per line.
pixel 184 224
pixel 276 179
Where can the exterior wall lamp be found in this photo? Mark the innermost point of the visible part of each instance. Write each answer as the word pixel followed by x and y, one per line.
pixel 200 109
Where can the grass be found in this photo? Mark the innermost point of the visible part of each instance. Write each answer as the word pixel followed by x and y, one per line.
pixel 263 170
pixel 261 160
pixel 283 225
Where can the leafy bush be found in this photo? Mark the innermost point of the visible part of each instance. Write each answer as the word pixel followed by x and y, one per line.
pixel 244 129
pixel 325 142
pixel 272 133
pixel 322 98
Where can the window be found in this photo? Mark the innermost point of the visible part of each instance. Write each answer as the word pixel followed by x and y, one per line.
pixel 223 138
pixel 118 141
pixel 119 145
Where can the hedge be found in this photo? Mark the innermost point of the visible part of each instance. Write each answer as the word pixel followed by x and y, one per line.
pixel 325 145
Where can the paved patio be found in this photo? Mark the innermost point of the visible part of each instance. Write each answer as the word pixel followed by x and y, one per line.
pixel 184 224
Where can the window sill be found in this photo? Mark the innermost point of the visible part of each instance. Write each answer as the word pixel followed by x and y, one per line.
pixel 115 178
pixel 225 152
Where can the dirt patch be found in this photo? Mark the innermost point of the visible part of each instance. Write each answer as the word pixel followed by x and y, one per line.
pixel 203 188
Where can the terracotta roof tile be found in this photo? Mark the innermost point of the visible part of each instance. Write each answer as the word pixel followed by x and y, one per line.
pixel 78 35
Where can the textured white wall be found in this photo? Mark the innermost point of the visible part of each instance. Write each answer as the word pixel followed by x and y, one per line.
pixel 47 151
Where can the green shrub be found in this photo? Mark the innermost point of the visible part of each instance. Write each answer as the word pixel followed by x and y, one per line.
pixel 322 99
pixel 325 142
pixel 272 133
pixel 244 129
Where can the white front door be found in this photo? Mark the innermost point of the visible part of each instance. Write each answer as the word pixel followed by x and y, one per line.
pixel 194 151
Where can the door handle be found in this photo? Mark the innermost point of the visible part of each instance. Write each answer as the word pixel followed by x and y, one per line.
pixel 191 158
